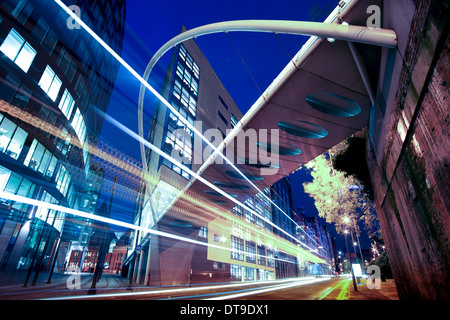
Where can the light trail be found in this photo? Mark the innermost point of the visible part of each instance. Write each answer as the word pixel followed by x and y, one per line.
pixel 134 135
pixel 39 123
pixel 46 205
pixel 183 290
pixel 269 289
pixel 168 105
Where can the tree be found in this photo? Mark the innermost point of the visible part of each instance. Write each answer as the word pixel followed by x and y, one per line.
pixel 338 195
pixel 385 266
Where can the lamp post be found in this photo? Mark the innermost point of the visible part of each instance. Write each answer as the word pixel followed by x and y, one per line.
pixel 347 221
pixel 351 264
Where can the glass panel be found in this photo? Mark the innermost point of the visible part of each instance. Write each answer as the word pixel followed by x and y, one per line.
pixel 51 167
pixel 24 188
pixel 4 176
pixel 37 156
pixel 46 79
pixel 30 152
pixel 54 88
pixel 13 183
pixel 66 104
pixel 25 57
pixel 45 161
pixel 12 44
pixel 7 128
pixel 16 144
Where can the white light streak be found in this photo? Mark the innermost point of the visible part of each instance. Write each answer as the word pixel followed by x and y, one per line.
pixel 182 290
pixel 167 104
pixel 274 288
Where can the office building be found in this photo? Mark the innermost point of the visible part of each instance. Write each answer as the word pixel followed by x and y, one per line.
pixel 53 79
pixel 221 243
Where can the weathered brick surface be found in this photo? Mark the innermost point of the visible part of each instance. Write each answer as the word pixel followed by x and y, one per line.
pixel 412 192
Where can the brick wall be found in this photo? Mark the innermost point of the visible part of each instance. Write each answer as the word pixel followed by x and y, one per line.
pixel 411 182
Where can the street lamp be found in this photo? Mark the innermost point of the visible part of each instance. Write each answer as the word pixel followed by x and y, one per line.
pixel 347 220
pixel 350 258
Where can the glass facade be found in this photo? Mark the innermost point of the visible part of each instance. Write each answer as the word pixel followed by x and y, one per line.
pixel 178 137
pixel 50 82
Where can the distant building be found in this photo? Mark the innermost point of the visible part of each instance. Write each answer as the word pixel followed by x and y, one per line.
pixel 316 236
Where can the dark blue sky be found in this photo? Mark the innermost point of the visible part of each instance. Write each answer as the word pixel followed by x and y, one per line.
pixel 149 24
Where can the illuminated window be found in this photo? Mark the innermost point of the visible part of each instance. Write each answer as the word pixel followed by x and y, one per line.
pixel 261 255
pixel 235 272
pixel 203 232
pixel 4 177
pixel 18 50
pixel 79 126
pixel 66 104
pixel 237 211
pixel 12 138
pixel 63 180
pixel 237 248
pixel 50 83
pixel 249 273
pixel 234 121
pixel 250 250
pixel 270 258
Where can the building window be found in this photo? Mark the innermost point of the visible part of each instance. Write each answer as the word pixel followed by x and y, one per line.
pixel 50 83
pixel 16 185
pixel 203 232
pixel 237 248
pixel 45 36
pixel 79 126
pixel 261 255
pixel 249 274
pixel 270 258
pixel 66 104
pixel 260 212
pixel 237 211
pixel 250 249
pixel 184 100
pixel 235 272
pixel 233 121
pixel 223 102
pixel 222 117
pixel 12 138
pixel 40 159
pixel 18 50
pixel 63 180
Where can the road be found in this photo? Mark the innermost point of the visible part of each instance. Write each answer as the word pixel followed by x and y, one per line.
pixel 288 289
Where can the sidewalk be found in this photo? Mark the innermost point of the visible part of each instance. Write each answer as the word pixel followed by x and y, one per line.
pixel 60 284
pixel 388 291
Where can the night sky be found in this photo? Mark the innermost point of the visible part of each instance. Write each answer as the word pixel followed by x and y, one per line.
pixel 149 24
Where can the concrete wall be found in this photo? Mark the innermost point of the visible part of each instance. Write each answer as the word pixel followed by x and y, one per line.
pixel 409 157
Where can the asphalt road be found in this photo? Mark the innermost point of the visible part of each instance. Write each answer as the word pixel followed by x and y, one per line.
pixel 292 289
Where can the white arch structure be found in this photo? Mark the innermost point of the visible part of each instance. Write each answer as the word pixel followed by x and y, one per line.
pixel 349 33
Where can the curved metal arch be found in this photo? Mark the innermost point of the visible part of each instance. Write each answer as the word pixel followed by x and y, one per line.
pixel 373 36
